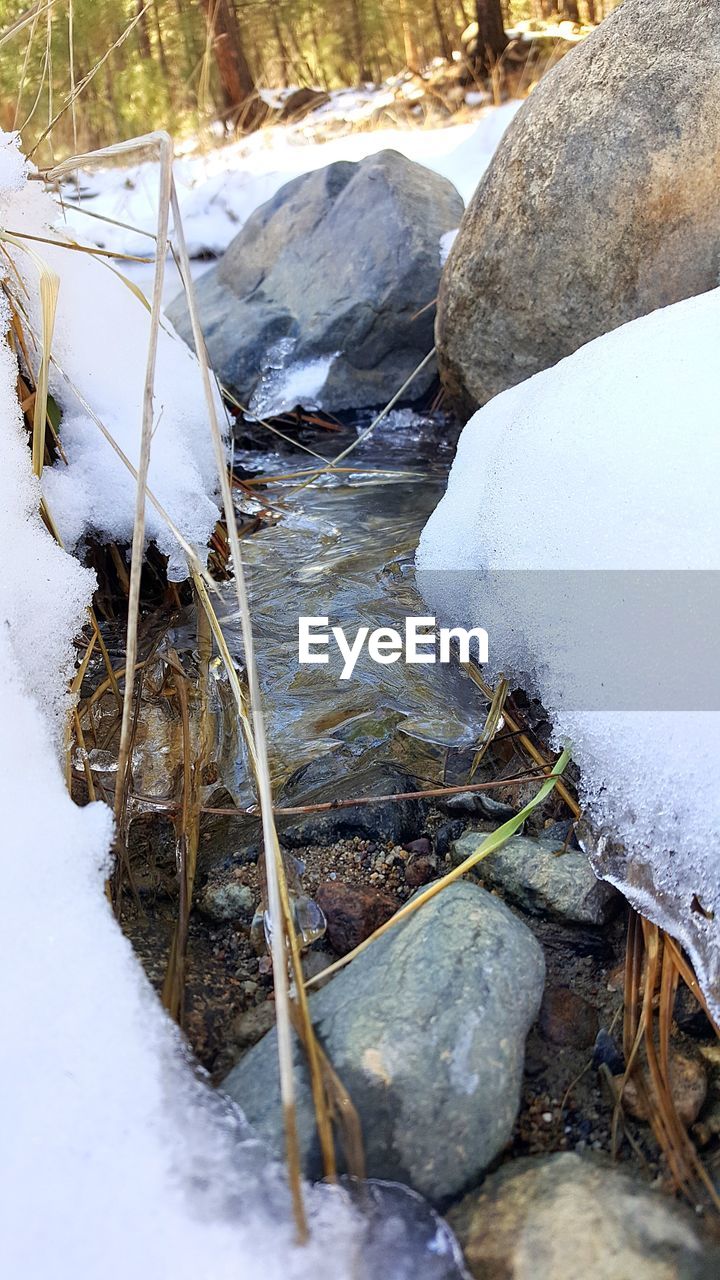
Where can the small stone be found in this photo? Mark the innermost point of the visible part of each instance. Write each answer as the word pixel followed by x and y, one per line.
pixel 606 1053
pixel 567 1216
pixel 352 912
pixel 228 901
pixel 445 834
pixel 420 870
pixel 566 1019
pixel 530 872
pixel 690 1015
pixel 252 1025
pixel 421 848
pixel 688 1086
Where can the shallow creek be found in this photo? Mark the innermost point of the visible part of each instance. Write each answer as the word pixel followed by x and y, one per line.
pixel 343 548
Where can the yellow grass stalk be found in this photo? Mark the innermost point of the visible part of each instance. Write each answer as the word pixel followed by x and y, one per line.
pixel 494 841
pixel 273 859
pixel 49 289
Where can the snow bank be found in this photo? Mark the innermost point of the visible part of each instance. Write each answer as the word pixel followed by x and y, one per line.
pixel 610 461
pixel 117 1161
pixel 220 189
pixel 101 347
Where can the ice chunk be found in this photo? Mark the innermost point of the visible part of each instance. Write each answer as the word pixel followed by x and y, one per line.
pixel 283 386
pixel 608 462
pixel 446 243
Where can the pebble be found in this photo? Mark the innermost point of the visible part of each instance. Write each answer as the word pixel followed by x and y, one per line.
pixel 352 912
pixel 567 1020
pixel 688 1086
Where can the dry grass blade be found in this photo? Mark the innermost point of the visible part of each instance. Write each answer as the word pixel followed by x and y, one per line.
pixel 526 742
pixel 164 147
pixel 195 757
pixel 30 15
pixel 49 289
pixel 281 923
pixel 492 722
pixel 653 967
pixel 74 94
pixel 489 845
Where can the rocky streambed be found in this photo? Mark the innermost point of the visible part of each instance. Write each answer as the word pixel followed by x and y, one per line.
pixel 480 1041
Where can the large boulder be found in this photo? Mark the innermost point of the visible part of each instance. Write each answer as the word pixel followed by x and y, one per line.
pixel 324 297
pixel 561 1217
pixel 600 204
pixel 426 1029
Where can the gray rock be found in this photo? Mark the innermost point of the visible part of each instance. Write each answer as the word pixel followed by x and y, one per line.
pixel 600 203
pixel 562 1217
pixel 534 875
pixel 393 821
pixel 227 900
pixel 426 1029
pixel 339 260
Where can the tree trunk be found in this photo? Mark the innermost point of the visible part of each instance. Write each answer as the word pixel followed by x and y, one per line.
pixel 143 34
pixel 590 6
pixel 358 40
pixel 443 37
pixel 569 10
pixel 282 51
pixel 491 39
pixel 161 48
pixel 235 76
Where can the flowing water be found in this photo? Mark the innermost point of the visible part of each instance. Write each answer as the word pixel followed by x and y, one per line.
pixel 343 549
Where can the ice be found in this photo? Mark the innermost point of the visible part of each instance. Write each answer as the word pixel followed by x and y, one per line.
pixel 219 189
pixel 283 386
pixel 608 462
pixel 446 243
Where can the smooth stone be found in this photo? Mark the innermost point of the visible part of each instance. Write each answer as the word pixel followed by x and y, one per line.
pixel 566 1217
pixel 426 1029
pixel 535 875
pixel 391 821
pixel 600 204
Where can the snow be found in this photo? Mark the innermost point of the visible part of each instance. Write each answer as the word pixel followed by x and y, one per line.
pixel 608 462
pixel 446 243
pixel 101 348
pixel 220 188
pixel 120 1161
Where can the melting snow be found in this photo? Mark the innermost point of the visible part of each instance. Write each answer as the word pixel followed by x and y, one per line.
pixel 609 461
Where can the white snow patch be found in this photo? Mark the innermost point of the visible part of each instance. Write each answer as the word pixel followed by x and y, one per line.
pixel 100 346
pixel 609 461
pixel 118 1161
pixel 446 243
pixel 219 189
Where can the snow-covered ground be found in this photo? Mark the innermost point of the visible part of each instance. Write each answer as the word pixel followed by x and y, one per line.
pixel 609 462
pixel 106 1127
pixel 219 188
